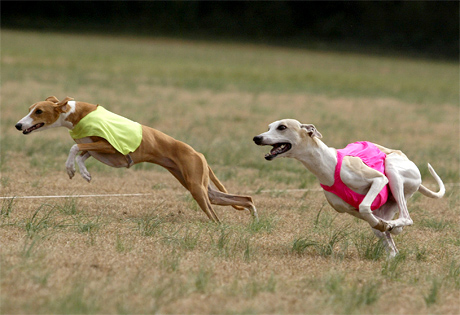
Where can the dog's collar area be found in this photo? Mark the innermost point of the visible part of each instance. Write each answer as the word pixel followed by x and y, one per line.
pixel 278 148
pixel 34 127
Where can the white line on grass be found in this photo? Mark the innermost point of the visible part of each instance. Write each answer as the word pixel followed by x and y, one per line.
pixel 138 195
pixel 75 196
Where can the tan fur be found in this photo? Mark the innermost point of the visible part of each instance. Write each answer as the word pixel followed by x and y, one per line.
pixel 188 166
pixel 49 115
pixel 359 169
pixel 389 151
pixel 83 110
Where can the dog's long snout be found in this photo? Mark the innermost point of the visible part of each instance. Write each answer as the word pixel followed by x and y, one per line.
pixel 18 126
pixel 258 140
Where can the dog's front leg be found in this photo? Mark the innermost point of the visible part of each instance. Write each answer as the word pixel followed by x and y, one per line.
pixel 82 167
pixel 70 163
pixel 355 173
pixel 378 183
pixel 101 146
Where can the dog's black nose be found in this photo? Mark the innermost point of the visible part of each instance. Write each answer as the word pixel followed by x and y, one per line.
pixel 258 140
pixel 18 126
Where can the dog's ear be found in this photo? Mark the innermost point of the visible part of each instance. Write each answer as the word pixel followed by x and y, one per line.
pixel 52 99
pixel 311 130
pixel 62 105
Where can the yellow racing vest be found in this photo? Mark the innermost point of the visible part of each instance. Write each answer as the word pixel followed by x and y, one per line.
pixel 123 134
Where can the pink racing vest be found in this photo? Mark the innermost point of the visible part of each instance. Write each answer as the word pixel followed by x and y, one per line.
pixel 372 157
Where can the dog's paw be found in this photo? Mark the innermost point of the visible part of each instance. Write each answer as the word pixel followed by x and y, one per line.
pixel 86 175
pixel 70 167
pixel 254 214
pixel 392 254
pixel 396 230
pixel 383 226
pixel 70 171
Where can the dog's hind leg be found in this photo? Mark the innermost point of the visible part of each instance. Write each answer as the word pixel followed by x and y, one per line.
pixel 388 242
pixel 193 173
pixel 221 188
pixel 354 168
pixel 178 175
pixel 201 197
pixel 387 212
pixel 404 180
pixel 197 193
pixel 225 199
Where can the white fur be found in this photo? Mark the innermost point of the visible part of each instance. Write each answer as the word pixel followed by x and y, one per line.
pixel 62 118
pixel 27 120
pixel 70 163
pixel 402 175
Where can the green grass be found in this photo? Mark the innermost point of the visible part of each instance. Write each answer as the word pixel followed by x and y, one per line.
pixel 432 296
pixel 368 247
pixel 350 297
pixel 7 206
pixel 435 224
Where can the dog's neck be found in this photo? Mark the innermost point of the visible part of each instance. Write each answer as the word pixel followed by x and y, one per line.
pixel 319 159
pixel 77 111
pixel 63 119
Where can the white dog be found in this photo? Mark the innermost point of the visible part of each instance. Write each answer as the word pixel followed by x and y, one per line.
pixel 350 185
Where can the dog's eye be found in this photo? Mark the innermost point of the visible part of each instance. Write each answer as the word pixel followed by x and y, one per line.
pixel 281 127
pixel 38 111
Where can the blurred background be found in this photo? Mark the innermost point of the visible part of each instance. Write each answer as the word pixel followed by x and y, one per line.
pixel 426 28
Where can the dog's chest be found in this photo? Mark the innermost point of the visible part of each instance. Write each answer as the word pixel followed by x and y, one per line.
pixel 338 204
pixel 113 160
pixel 123 134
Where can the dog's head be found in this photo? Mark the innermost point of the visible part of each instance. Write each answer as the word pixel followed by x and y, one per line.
pixel 44 115
pixel 286 136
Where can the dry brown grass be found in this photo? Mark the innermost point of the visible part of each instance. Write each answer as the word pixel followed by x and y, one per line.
pixel 159 254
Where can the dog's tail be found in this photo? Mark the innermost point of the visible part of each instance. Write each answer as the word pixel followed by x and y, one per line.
pixel 442 190
pixel 219 185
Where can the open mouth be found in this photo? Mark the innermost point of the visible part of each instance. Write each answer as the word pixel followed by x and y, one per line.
pixel 278 148
pixel 34 127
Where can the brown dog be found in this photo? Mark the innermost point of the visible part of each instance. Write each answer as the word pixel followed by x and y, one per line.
pixel 188 166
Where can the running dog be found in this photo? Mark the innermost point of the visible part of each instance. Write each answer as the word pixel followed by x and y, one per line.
pixel 366 180
pixel 120 142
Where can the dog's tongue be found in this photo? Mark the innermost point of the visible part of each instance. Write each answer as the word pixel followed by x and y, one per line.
pixel 29 130
pixel 277 149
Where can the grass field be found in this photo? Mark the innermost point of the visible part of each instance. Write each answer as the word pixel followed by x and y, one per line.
pixel 158 253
